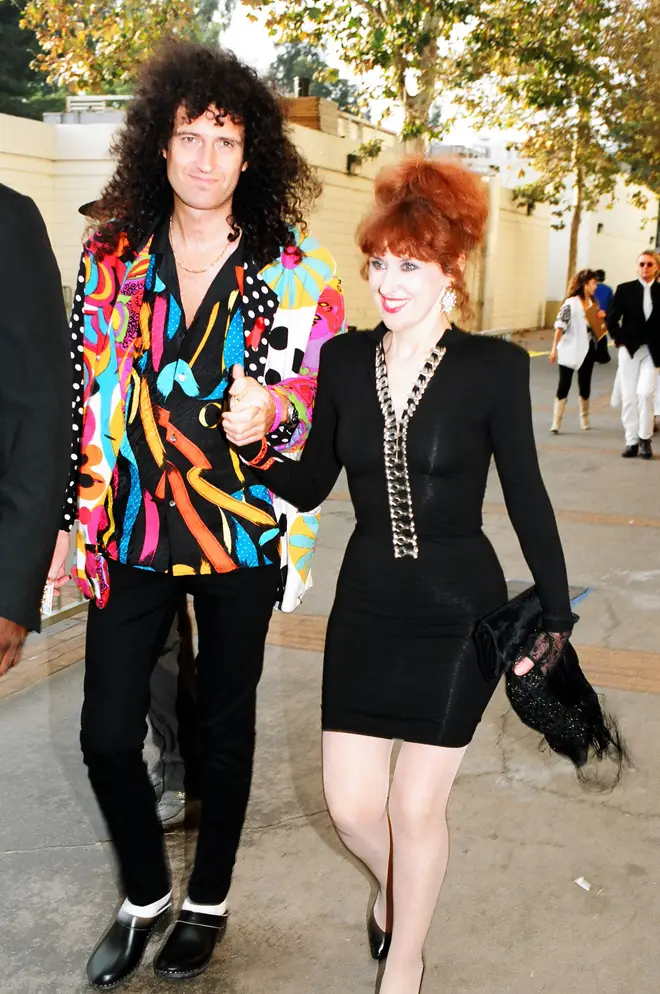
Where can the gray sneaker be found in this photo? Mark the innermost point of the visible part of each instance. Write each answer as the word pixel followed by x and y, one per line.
pixel 171 808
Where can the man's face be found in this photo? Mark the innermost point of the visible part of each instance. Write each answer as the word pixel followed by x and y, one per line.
pixel 205 159
pixel 647 268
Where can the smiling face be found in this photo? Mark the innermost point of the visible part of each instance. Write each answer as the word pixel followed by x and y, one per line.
pixel 407 292
pixel 205 160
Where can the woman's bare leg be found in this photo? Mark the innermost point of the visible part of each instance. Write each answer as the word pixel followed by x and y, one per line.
pixel 356 780
pixel 422 782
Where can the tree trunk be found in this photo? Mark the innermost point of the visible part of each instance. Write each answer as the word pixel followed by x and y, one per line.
pixel 580 142
pixel 575 226
pixel 418 106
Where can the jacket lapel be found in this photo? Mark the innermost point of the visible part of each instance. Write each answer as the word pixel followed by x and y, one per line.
pixel 125 317
pixel 655 297
pixel 258 306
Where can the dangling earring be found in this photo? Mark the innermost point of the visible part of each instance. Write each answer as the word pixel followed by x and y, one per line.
pixel 448 300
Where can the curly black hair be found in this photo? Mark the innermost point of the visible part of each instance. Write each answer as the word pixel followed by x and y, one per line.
pixel 273 194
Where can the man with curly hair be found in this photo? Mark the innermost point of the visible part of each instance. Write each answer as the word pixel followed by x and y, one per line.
pixel 198 289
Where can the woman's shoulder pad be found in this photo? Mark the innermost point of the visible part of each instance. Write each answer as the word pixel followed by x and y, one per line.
pixel 348 343
pixel 498 349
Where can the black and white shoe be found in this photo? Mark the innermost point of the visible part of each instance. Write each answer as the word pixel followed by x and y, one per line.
pixel 188 949
pixel 120 951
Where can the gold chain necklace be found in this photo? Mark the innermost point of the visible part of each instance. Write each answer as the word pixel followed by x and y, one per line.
pixel 198 272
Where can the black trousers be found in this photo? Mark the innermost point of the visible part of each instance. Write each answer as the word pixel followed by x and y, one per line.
pixel 584 376
pixel 173 711
pixel 124 641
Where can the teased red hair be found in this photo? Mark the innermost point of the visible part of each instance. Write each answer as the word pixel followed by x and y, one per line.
pixel 432 210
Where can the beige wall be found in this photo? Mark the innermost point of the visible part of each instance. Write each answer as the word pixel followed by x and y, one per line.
pixel 60 167
pixel 65 165
pixel 516 262
pixel 626 231
pixel 27 154
pixel 344 202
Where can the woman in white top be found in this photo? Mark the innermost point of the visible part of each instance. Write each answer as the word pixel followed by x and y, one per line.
pixel 574 346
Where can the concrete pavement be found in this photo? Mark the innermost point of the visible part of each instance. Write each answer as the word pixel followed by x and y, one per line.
pixel 511 918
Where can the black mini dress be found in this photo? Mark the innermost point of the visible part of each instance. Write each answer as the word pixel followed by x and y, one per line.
pixel 418 570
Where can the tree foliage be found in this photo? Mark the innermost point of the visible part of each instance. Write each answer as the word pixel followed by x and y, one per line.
pixel 400 39
pixel 94 45
pixel 541 67
pixel 304 61
pixel 634 46
pixel 23 92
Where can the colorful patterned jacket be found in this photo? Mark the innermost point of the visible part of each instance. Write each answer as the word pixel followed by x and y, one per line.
pixel 109 319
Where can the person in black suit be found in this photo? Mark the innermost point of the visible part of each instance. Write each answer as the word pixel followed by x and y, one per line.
pixel 35 403
pixel 633 321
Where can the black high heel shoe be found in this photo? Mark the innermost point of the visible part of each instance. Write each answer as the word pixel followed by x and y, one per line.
pixel 379 941
pixel 119 953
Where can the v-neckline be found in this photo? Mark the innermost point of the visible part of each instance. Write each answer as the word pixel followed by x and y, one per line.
pixel 433 359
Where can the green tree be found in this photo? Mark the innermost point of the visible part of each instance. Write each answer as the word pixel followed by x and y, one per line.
pixel 540 67
pixel 303 61
pixel 23 92
pixel 400 39
pixel 634 47
pixel 94 45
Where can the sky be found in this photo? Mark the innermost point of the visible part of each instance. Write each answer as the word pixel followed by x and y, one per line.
pixel 249 41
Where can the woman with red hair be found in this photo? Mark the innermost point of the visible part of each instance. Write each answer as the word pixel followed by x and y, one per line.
pixel 414 410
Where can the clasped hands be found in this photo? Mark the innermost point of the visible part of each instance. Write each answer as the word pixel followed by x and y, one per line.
pixel 251 410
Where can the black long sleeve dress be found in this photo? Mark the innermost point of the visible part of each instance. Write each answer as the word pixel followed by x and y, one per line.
pixel 419 571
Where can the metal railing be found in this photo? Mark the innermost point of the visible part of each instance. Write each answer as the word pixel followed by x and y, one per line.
pixel 96 102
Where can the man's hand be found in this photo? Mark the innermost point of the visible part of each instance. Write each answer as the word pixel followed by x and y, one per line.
pixel 56 574
pixel 252 410
pixel 12 637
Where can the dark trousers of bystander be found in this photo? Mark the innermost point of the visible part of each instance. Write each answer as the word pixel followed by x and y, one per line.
pixel 124 641
pixel 584 373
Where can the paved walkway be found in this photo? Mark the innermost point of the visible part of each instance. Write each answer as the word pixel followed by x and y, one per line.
pixel 511 917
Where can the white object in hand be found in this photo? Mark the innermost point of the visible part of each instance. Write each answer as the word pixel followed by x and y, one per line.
pixel 47 600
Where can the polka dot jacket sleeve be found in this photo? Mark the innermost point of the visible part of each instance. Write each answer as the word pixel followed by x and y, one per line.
pixel 300 390
pixel 76 327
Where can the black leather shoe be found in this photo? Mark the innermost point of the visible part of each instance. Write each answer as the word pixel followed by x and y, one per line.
pixel 379 941
pixel 120 951
pixel 188 949
pixel 645 450
pixel 630 451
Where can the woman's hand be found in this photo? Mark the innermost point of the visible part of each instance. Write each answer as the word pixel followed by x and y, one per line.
pixel 543 649
pixel 553 356
pixel 523 666
pixel 56 574
pixel 602 314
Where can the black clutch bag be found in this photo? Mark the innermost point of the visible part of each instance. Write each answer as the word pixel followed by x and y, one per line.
pixel 500 637
pixel 554 698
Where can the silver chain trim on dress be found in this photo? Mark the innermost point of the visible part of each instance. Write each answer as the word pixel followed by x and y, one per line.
pixel 395 438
